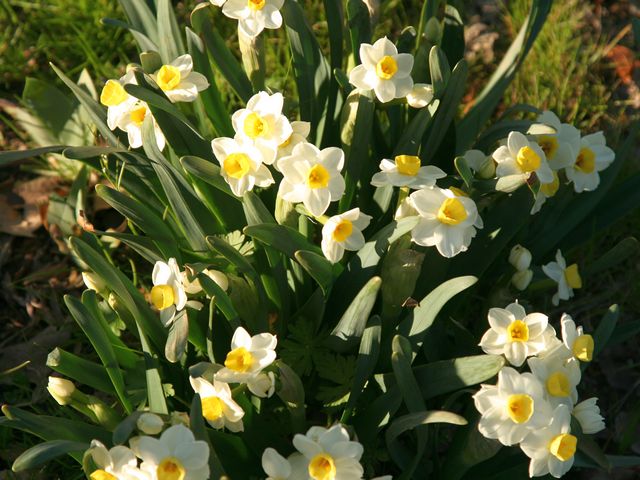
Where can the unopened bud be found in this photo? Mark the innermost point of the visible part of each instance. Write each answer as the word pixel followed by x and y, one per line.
pixel 93 282
pixel 520 258
pixel 487 168
pixel 522 279
pixel 179 418
pixel 150 423
pixel 61 389
pixel 263 385
pixel 420 95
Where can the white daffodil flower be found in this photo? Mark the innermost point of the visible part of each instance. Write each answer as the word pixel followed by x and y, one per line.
pixel 330 454
pixel 567 278
pixel 520 257
pixel 299 135
pixel 262 385
pixel 560 148
pixel 312 176
pixel 241 165
pixel 405 209
pixel 420 95
pixel 175 455
pixel 480 163
pixel 178 81
pixel 447 221
pixel 547 190
pixel 167 294
pixel 521 279
pixel 248 356
pixel 254 15
pixel 551 449
pixel 383 70
pixel 518 160
pixel 406 171
pixel 118 462
pixel 275 465
pixel 593 157
pixel 150 423
pixel 343 232
pixel 513 408
pixel 132 120
pixel 262 124
pixel 580 344
pixel 218 407
pixel 588 415
pixel 560 373
pixel 515 334
pixel 116 99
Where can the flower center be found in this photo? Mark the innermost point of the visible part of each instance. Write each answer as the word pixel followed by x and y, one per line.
pixel 102 475
pixel 168 77
pixel 563 446
pixel 518 331
pixel 112 94
pixel 322 467
pixel 528 160
pixel 549 145
pixel 583 348
pixel 520 407
pixel 212 408
pixel 408 164
pixel 239 360
pixel 558 385
pixel 256 4
pixel 342 231
pixel 586 161
pixel 255 126
pixel 162 296
pixel 451 212
pixel 237 165
pixel 550 189
pixel 171 469
pixel 572 276
pixel 137 115
pixel 386 67
pixel 318 177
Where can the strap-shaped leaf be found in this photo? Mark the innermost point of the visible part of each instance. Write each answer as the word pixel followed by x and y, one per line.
pixel 169 37
pixel 143 41
pixel 13 156
pixel 319 268
pixel 83 371
pixel 44 452
pixel 282 238
pixel 411 421
pixel 177 338
pixel 141 18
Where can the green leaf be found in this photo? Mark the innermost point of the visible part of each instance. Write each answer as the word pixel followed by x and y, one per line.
pixel 169 38
pixel 177 338
pixel 141 18
pixel 411 421
pixel 143 41
pixel 125 428
pixel 282 238
pixel 43 452
pixel 8 157
pixel 464 171
pixel 605 329
pixel 319 268
pixel 359 23
pixel 292 394
pixel 81 370
pixel 401 358
pixel 439 69
pixel 626 248
pixel 223 302
pixel 207 171
pixel 255 210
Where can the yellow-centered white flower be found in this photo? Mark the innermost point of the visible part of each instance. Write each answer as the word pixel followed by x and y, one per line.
pixel 241 164
pixel 560 374
pixel 567 277
pixel 560 148
pixel 592 157
pixel 383 70
pixel 551 449
pixel 248 356
pixel 178 81
pixel 218 407
pixel 546 190
pixel 406 171
pixel 516 334
pixel 518 160
pixel 513 408
pixel 275 465
pixel 176 455
pixel 447 221
pixel 116 99
pixel 312 176
pixel 520 257
pixel 254 15
pixel 167 294
pixel 343 232
pixel 300 132
pixel 420 95
pixel 133 119
pixel 588 415
pixel 117 463
pixel 580 344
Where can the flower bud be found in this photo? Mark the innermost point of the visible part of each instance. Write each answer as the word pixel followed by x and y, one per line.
pixel 61 389
pixel 420 95
pixel 520 258
pixel 150 423
pixel 522 279
pixel 263 385
pixel 179 418
pixel 93 282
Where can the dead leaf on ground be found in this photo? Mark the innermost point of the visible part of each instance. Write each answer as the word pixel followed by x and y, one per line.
pixel 624 62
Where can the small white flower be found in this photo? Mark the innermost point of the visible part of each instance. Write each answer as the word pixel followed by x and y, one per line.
pixel 406 171
pixel 520 257
pixel 551 449
pixel 262 385
pixel 218 407
pixel 178 81
pixel 587 413
pixel 132 120
pixel 567 278
pixel 513 408
pixel 560 373
pixel 116 98
pixel 150 423
pixel 312 176
pixel 343 232
pixel 480 163
pixel 447 221
pixel 167 294
pixel 383 70
pixel 518 160
pixel 420 95
pixel 522 279
pixel 275 465
pixel 248 356
pixel 580 344
pixel 176 454
pixel 515 334
pixel 547 190
pixel 254 15
pixel 118 462
pixel 300 132
pixel 560 148
pixel 593 157
pixel 241 165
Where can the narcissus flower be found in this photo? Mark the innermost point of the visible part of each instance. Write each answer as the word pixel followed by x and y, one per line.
pixel 263 385
pixel 116 463
pixel 178 81
pixel 560 148
pixel 546 190
pixel 447 221
pixel 587 413
pixel 567 278
pixel 300 132
pixel 593 157
pixel 254 15
pixel 516 334
pixel 580 344
pixel 248 356
pixel 406 171
pixel 175 455
pixel 116 99
pixel 279 468
pixel 241 165
pixel 312 176
pixel 551 449
pixel 383 70
pixel 513 408
pixel 218 407
pixel 132 120
pixel 518 160
pixel 560 373
pixel 167 294
pixel 343 232
pixel 420 95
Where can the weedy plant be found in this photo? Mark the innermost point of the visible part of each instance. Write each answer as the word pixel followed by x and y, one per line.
pixel 320 285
